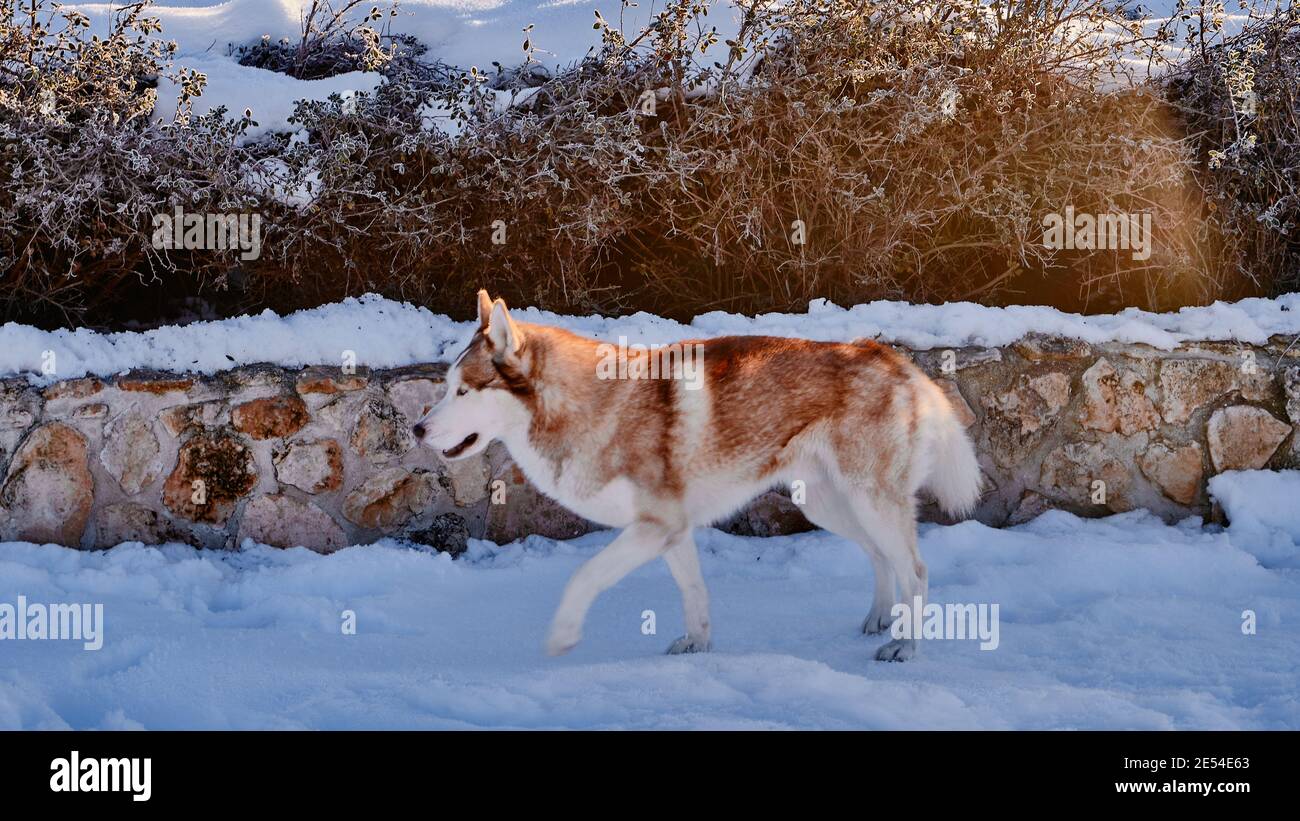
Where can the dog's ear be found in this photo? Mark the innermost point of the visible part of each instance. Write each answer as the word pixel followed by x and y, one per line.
pixel 484 309
pixel 504 335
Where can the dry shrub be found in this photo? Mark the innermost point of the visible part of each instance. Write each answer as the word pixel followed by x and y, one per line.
pixel 83 170
pixel 914 148
pixel 1240 100
pixel 919 151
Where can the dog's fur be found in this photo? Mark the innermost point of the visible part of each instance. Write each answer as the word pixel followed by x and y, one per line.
pixel 862 427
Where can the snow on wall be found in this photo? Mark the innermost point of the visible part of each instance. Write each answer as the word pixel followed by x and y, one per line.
pixel 386 334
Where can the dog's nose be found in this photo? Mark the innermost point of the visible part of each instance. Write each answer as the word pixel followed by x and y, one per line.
pixel 418 430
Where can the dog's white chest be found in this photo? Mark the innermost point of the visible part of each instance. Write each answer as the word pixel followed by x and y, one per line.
pixel 612 504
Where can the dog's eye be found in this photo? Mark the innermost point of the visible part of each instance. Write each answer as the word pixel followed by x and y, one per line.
pixel 462 391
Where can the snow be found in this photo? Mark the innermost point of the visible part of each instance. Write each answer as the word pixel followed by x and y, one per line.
pixel 319 336
pixel 1158 14
pixel 1123 622
pixel 271 176
pixel 1262 507
pixel 269 95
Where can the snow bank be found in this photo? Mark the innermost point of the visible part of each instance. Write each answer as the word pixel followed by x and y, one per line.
pixel 1122 622
pixel 1264 516
pixel 387 334
pixel 382 333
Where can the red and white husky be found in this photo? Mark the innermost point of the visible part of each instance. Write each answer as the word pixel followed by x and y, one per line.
pixel 860 426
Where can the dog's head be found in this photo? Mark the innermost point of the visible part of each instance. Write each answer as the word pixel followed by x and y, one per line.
pixel 487 388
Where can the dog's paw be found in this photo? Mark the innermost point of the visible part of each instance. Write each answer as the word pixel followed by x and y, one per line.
pixel 686 644
pixel 876 622
pixel 897 650
pixel 562 639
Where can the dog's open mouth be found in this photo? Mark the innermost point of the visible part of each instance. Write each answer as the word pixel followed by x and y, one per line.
pixel 452 453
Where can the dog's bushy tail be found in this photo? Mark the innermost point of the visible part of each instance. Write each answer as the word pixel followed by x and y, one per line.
pixel 954 477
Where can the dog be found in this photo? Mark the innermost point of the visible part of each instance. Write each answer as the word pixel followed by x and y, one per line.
pixel 657 454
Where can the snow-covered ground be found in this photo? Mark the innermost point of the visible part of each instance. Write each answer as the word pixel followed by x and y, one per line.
pixel 412 335
pixel 1122 622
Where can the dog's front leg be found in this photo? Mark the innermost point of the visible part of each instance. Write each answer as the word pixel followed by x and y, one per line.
pixel 684 562
pixel 637 544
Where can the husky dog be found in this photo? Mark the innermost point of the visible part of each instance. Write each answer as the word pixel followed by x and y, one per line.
pixel 859 425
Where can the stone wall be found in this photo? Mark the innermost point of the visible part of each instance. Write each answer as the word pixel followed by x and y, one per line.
pixel 326 459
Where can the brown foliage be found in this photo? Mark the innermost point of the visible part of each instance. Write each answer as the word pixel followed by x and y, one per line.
pixel 846 149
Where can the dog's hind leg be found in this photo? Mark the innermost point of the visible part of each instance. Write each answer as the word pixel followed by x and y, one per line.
pixel 892 522
pixel 640 542
pixel 684 562
pixel 878 617
pixel 832 510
